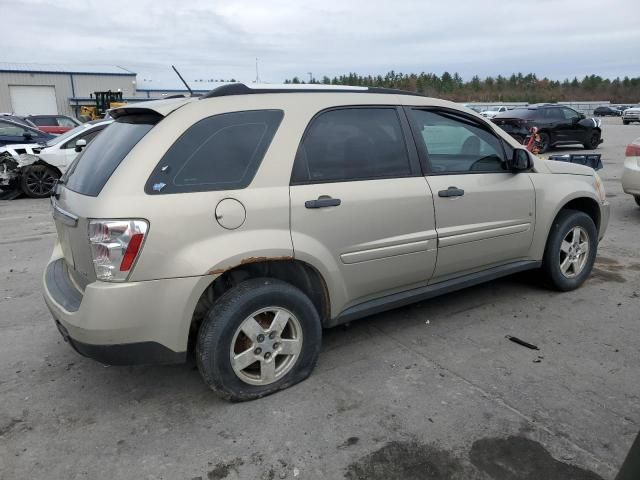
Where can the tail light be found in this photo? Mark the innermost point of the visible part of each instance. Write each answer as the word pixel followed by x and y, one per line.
pixel 115 246
pixel 633 150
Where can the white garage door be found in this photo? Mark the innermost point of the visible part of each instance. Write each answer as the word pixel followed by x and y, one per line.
pixel 33 100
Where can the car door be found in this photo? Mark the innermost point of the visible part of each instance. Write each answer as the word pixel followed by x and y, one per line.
pixel 574 131
pixel 361 210
pixel 484 213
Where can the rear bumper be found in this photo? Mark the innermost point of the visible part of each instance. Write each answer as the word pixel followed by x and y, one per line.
pixel 139 353
pixel 144 322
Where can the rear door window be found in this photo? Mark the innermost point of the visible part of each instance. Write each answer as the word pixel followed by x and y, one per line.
pixel 44 121
pixel 352 144
pixel 90 171
pixel 222 152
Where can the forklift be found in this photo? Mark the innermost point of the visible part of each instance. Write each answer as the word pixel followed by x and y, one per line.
pixel 104 101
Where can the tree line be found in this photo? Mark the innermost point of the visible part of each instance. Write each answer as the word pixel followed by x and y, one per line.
pixel 516 88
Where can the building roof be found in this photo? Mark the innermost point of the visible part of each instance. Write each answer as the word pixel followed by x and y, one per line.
pixel 64 68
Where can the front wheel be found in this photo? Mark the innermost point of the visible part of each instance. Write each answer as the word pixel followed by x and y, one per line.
pixel 38 181
pixel 625 122
pixel 593 142
pixel 261 336
pixel 571 250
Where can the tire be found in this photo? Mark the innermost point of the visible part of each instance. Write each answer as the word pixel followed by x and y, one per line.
pixel 545 142
pixel 37 181
pixel 220 335
pixel 637 199
pixel 624 122
pixel 594 140
pixel 563 227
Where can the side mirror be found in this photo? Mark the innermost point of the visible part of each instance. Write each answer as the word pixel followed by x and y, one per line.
pixel 581 116
pixel 27 135
pixel 521 161
pixel 80 144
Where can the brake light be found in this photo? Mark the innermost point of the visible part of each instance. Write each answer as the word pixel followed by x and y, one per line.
pixel 115 246
pixel 633 150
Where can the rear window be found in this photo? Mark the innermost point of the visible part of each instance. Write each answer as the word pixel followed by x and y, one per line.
pixel 92 169
pixel 222 152
pixel 44 121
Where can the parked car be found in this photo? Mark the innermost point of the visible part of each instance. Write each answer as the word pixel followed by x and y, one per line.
pixel 606 111
pixel 55 124
pixel 631 171
pixel 14 132
pixel 240 223
pixel 557 125
pixel 37 167
pixel 631 115
pixel 491 112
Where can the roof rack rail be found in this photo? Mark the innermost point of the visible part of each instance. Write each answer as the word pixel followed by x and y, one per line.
pixel 243 89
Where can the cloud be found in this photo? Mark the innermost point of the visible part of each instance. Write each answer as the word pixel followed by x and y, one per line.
pixel 222 39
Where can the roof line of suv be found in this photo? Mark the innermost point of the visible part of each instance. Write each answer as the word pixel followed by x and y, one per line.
pixel 243 89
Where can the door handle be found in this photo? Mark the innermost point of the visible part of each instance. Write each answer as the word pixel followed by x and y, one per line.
pixel 323 201
pixel 451 192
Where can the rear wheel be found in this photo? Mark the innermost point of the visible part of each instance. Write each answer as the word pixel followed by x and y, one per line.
pixel 261 336
pixel 38 181
pixel 594 141
pixel 625 122
pixel 571 250
pixel 545 142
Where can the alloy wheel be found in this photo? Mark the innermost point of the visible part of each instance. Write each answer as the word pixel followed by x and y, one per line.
pixel 574 252
pixel 266 346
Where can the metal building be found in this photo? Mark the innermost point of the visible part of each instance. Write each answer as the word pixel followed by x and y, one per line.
pixel 27 88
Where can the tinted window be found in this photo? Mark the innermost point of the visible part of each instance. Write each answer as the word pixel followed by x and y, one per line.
pixel 44 121
pixel 352 144
pixel 90 171
pixel 455 144
pixel 222 152
pixel 570 114
pixel 553 113
pixel 11 129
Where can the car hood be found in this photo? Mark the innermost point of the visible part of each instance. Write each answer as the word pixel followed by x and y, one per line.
pixel 555 166
pixel 634 109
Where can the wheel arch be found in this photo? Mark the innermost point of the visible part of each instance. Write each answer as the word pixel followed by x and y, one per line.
pixel 295 272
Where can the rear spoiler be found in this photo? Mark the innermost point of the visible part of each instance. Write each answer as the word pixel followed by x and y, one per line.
pixel 158 107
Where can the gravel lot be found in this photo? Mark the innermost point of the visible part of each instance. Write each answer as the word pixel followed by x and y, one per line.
pixel 434 390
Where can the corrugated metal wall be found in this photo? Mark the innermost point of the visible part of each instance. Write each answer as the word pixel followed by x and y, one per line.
pixel 83 86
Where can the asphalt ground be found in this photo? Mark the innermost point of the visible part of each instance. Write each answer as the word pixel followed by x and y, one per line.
pixel 430 391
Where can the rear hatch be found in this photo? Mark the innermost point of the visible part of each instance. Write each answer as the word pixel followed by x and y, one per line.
pixel 518 120
pixel 76 200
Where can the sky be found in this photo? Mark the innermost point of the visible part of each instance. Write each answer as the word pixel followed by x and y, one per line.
pixel 221 39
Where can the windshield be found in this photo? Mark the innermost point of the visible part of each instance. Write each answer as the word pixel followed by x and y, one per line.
pixel 91 170
pixel 494 109
pixel 66 136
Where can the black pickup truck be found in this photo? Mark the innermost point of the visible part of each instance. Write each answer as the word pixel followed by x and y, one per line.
pixel 557 125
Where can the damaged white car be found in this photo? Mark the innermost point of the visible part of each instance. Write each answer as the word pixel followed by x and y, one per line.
pixel 33 169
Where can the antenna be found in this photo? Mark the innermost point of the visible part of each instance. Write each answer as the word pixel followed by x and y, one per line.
pixel 257 74
pixel 183 81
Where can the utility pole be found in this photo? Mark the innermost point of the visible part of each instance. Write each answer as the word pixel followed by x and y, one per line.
pixel 310 76
pixel 257 74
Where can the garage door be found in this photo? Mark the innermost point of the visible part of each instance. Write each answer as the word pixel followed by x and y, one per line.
pixel 33 100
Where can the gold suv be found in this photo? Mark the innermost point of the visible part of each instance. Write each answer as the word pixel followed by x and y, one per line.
pixel 239 224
